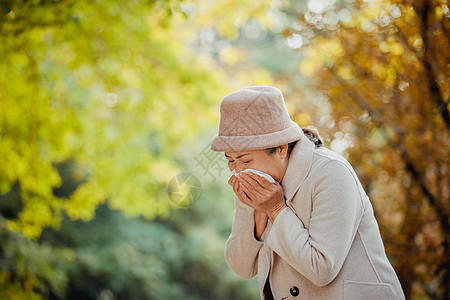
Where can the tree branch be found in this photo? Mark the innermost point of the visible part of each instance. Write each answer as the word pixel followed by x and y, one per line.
pixel 435 93
pixel 409 164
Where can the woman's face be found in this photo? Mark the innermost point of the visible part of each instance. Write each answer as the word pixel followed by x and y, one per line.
pixel 274 164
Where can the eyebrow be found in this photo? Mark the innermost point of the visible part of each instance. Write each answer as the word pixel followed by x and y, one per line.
pixel 239 156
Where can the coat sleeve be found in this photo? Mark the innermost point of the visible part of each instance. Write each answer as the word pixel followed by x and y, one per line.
pixel 242 248
pixel 319 252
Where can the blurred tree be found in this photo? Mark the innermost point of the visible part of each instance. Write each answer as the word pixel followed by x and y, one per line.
pixel 107 84
pixel 97 99
pixel 179 257
pixel 384 65
pixel 27 267
pixel 115 257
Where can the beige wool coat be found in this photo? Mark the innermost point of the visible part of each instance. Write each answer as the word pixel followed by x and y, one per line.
pixel 325 245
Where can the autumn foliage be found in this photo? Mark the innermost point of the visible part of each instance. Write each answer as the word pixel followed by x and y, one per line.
pixel 386 73
pixel 100 102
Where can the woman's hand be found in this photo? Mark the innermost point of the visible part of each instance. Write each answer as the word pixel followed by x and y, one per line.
pixel 260 217
pixel 260 194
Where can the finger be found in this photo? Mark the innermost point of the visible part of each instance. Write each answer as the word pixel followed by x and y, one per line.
pixel 249 189
pixel 235 185
pixel 232 180
pixel 243 196
pixel 238 190
pixel 252 182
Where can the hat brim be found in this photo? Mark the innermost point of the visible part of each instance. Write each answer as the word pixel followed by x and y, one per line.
pixel 257 142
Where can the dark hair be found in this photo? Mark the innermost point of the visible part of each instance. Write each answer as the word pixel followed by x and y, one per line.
pixel 291 145
pixel 311 134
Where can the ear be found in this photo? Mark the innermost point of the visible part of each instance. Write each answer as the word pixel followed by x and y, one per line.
pixel 283 151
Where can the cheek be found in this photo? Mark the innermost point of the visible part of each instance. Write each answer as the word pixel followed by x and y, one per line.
pixel 254 164
pixel 264 165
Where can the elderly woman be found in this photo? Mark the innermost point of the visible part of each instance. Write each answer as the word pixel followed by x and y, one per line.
pixel 305 227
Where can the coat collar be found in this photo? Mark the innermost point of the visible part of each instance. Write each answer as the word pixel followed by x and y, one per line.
pixel 298 167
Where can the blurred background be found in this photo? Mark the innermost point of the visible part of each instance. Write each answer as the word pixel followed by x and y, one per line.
pixel 108 189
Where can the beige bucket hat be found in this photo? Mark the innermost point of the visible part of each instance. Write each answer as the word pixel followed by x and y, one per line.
pixel 254 118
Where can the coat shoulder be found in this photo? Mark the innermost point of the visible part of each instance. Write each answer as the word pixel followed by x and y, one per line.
pixel 322 156
pixel 326 155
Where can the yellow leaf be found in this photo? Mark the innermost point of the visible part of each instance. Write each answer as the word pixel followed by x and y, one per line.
pixel 303 119
pixel 232 55
pixel 84 201
pixel 331 47
pixel 345 72
pixel 397 49
pixel 291 108
pixel 439 13
pixel 309 66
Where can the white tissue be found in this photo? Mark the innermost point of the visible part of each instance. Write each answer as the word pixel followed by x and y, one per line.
pixel 257 172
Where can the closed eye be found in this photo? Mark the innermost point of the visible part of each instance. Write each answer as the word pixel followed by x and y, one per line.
pixel 245 162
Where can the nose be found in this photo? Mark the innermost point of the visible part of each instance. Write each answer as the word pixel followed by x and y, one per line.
pixel 237 167
pixel 239 170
